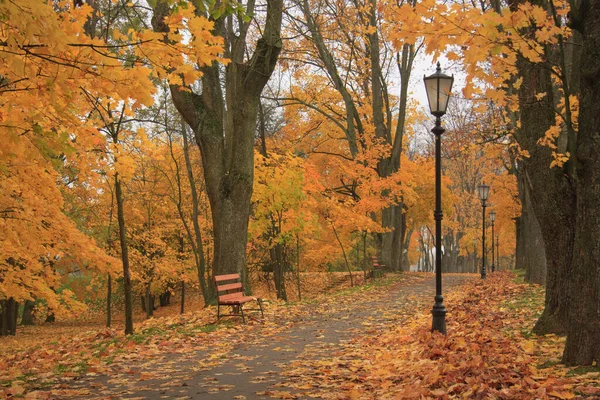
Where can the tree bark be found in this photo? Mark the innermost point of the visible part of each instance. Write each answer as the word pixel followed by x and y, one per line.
pixel 27 318
pixel 583 332
pixel 8 317
pixel 531 254
pixel 124 256
pixel 182 308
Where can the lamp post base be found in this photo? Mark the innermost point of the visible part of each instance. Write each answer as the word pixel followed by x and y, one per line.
pixel 439 315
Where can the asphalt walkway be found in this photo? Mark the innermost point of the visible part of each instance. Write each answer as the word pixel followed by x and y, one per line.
pixel 263 364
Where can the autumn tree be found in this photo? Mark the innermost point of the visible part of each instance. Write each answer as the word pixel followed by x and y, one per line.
pixel 88 72
pixel 346 43
pixel 223 115
pixel 544 70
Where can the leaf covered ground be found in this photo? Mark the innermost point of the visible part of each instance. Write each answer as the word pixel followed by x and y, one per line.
pixel 370 342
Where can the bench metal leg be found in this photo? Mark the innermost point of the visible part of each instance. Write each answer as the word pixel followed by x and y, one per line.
pixel 242 314
pixel 259 301
pixel 218 312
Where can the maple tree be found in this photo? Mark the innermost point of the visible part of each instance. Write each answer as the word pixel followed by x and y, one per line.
pixel 60 83
pixel 224 123
pixel 342 63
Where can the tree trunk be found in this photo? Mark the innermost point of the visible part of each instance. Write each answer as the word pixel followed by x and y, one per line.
pixel 206 284
pixel 149 300
pixel 8 317
pixel 224 125
pixel 27 318
pixel 182 309
pixel 165 298
pixel 531 253
pixel 50 317
pixel 551 191
pixel 583 332
pixel 344 253
pixel 124 256
pixel 277 261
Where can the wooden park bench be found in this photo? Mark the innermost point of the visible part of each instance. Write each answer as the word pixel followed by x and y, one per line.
pixel 376 269
pixel 230 292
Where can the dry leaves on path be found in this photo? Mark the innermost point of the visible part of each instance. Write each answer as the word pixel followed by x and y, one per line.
pixel 488 353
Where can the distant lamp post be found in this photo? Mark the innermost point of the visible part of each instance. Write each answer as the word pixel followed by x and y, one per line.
pixel 438 86
pixel 492 219
pixel 483 191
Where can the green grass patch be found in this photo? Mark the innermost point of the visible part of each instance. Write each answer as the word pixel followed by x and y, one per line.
pixel 548 364
pixel 210 328
pixel 386 280
pixel 80 367
pixel 519 275
pixel 582 370
pixel 153 331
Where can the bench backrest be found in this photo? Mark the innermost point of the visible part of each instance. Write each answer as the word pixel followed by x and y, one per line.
pixel 229 286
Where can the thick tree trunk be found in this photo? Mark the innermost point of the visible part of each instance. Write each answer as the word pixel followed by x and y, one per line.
pixel 551 192
pixel 531 254
pixel 224 125
pixel 8 317
pixel 27 318
pixel 583 334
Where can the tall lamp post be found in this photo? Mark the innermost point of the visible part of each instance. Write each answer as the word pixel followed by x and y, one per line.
pixel 438 86
pixel 492 219
pixel 484 191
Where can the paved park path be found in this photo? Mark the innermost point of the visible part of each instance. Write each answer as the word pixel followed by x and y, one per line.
pixel 259 363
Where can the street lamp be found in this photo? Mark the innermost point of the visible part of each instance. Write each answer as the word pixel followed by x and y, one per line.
pixel 438 86
pixel 492 219
pixel 484 191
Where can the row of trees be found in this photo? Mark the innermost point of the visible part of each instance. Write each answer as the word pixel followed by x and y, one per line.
pixel 298 114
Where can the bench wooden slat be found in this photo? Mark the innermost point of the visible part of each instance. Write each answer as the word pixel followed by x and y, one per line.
pixel 238 300
pixel 230 296
pixel 230 286
pixel 229 277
